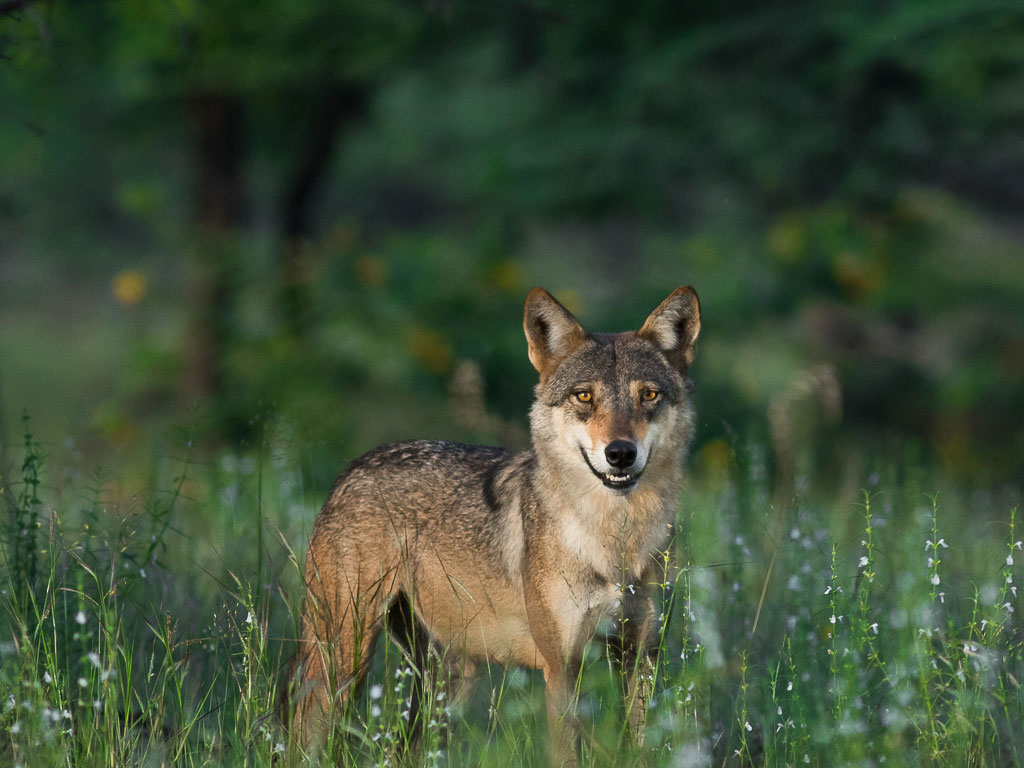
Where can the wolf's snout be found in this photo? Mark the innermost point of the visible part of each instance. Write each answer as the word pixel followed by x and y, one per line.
pixel 620 454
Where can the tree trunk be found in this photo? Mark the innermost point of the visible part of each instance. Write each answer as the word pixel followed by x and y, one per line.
pixel 338 105
pixel 217 148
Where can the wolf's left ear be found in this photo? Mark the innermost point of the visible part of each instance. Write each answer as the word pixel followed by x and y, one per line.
pixel 674 325
pixel 551 331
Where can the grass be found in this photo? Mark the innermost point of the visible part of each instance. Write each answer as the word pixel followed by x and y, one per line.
pixel 879 627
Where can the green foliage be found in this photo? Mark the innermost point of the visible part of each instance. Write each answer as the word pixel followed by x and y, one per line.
pixel 160 633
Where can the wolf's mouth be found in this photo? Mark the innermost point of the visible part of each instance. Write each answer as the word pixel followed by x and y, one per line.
pixel 620 482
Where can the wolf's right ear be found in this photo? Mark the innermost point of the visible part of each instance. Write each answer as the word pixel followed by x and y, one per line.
pixel 674 325
pixel 551 331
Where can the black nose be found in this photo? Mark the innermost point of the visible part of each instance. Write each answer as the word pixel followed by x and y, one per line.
pixel 620 453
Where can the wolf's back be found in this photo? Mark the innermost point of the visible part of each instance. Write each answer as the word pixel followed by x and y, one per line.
pixel 451 492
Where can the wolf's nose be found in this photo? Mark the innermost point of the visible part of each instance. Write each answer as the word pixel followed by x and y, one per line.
pixel 620 453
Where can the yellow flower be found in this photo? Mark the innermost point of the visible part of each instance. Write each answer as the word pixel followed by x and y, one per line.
pixel 129 287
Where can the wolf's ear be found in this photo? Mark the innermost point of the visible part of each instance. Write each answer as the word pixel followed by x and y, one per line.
pixel 551 331
pixel 674 325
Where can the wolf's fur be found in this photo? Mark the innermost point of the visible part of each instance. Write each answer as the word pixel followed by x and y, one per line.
pixel 513 558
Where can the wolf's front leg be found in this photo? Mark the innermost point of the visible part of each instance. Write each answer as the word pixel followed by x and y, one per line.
pixel 563 729
pixel 635 658
pixel 557 636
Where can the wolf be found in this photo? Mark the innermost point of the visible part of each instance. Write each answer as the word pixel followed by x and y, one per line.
pixel 482 555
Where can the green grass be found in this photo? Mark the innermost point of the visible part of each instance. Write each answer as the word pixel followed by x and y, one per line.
pixel 849 629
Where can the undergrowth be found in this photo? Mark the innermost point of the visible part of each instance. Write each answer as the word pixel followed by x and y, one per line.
pixel 884 628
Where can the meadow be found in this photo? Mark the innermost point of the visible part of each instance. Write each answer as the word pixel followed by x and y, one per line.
pixel 876 624
pixel 243 242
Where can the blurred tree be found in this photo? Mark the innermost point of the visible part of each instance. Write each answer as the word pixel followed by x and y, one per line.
pixel 786 157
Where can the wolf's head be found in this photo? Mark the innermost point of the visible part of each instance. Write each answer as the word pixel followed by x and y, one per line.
pixel 612 407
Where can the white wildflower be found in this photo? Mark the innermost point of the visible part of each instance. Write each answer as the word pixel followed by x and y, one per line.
pixel 80 617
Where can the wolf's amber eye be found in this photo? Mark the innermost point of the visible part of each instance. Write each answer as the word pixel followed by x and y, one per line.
pixel 650 395
pixel 584 397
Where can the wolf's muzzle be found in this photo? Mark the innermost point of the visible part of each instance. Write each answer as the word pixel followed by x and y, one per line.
pixel 621 478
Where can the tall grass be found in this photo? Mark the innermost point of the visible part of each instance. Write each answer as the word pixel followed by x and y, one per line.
pixel 881 628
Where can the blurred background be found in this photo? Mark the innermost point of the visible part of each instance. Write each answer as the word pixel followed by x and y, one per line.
pixel 243 218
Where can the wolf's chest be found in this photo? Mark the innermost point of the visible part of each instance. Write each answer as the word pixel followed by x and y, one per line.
pixel 614 538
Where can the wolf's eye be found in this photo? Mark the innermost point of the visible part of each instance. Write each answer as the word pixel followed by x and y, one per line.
pixel 584 396
pixel 650 395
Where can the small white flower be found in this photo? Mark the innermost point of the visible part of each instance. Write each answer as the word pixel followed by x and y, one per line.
pixel 279 747
pixel 832 620
pixel 828 590
pixel 82 682
pixel 863 561
pixel 1009 559
pixel 935 579
pixel 47 678
pixel 375 711
pixel 874 627
pixel 376 691
pixel 807 758
pixel 789 686
pixel 80 617
pixel 748 726
pixel 16 727
pixel 248 617
pixel 94 658
pixel 1008 608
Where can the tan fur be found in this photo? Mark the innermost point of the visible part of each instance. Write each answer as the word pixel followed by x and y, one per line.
pixel 505 558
